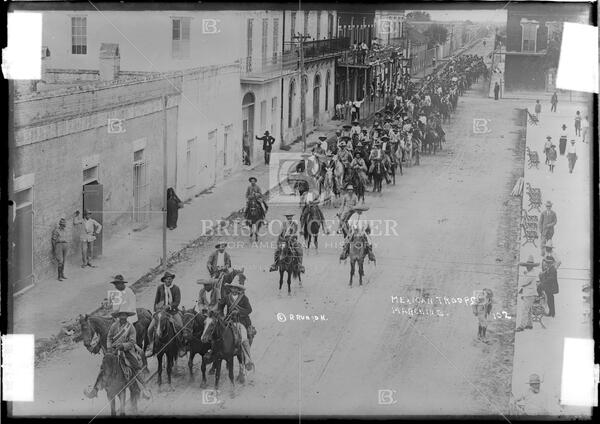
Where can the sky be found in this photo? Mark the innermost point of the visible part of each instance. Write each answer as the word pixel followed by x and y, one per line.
pixel 463 15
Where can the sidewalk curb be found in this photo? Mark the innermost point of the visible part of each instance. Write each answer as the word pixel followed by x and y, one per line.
pixel 70 331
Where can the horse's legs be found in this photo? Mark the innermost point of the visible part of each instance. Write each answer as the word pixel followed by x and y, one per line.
pixel 122 399
pixel 160 358
pixel 360 271
pixel 307 238
pixel 316 236
pixel 280 279
pixel 191 364
pixel 242 372
pixel 113 406
pixel 170 360
pixel 351 271
pixel 289 282
pixel 203 368
pixel 217 373
pixel 230 366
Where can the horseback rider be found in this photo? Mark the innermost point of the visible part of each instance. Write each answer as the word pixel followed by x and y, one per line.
pixel 377 156
pixel 324 146
pixel 168 297
pixel 121 341
pixel 219 261
pixel 355 130
pixel 349 201
pixel 358 228
pixel 346 131
pixel 344 156
pixel 209 297
pixel 358 164
pixel 125 299
pixel 289 231
pixel 312 200
pixel 254 192
pixel 238 311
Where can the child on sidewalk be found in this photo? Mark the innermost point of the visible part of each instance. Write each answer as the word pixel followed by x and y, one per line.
pixel 551 156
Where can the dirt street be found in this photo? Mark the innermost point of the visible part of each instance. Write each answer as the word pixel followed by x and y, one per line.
pixel 453 231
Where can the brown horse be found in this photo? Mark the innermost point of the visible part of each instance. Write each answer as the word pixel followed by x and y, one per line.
pixel 254 217
pixel 311 222
pixel 193 327
pixel 290 263
pixel 165 342
pixel 358 251
pixel 92 325
pixel 112 379
pixel 219 334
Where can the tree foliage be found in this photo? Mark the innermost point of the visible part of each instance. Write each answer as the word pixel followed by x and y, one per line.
pixel 418 16
pixel 437 34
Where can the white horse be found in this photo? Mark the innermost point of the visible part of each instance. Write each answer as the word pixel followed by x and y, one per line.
pixel 339 175
pixel 328 187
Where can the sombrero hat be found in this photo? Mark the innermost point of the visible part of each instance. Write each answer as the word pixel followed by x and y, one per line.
pixel 218 245
pixel 548 203
pixel 548 138
pixel 119 312
pixel 252 178
pixel 166 275
pixel 349 187
pixel 346 126
pixel 207 281
pixel 119 279
pixel 355 122
pixel 342 143
pixel 238 282
pixel 289 215
pixel 322 138
pixel 530 263
pixel 385 138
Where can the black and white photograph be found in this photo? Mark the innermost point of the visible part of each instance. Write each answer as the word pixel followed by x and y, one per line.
pixel 301 209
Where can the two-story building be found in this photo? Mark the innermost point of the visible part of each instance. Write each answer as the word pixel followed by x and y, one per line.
pixel 533 42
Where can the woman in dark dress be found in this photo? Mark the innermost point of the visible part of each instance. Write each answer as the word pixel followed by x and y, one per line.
pixel 549 282
pixel 173 205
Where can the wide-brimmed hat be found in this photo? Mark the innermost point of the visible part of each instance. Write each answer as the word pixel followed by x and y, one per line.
pixel 355 122
pixel 252 178
pixel 349 187
pixel 572 141
pixel 385 138
pixel 364 130
pixel 530 263
pixel 219 245
pixel 118 279
pixel 322 137
pixel 266 132
pixel 166 275
pixel 288 215
pixel 207 281
pixel 564 127
pixel 119 312
pixel 346 126
pixel 358 144
pixel 238 282
pixel 548 138
pixel 534 379
pixel 548 203
pixel 358 154
pixel 342 143
pixel 62 220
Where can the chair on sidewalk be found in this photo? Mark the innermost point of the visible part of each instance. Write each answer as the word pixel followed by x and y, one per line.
pixel 533 159
pixel 532 119
pixel 531 235
pixel 535 200
pixel 538 310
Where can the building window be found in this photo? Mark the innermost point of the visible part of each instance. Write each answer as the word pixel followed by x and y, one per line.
pixel 249 45
pixel 138 155
pixel 190 163
pixel 273 114
pixel 180 48
pixel 275 39
pixel 293 23
pixel 306 22
pixel 90 175
pixel 553 31
pixel 318 25
pixel 329 25
pixel 291 96
pixel 327 82
pixel 263 47
pixel 78 35
pixel 529 37
pixel 263 116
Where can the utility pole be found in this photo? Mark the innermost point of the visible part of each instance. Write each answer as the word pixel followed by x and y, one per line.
pixel 164 227
pixel 302 88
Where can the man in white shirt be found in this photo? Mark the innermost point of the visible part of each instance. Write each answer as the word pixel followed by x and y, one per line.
pixel 218 261
pixel 357 104
pixel 585 126
pixel 571 155
pixel 123 298
pixel 88 229
pixel 528 283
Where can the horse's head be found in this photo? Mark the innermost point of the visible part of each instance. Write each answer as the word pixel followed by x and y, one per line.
pixel 110 369
pixel 210 325
pixel 162 321
pixel 87 333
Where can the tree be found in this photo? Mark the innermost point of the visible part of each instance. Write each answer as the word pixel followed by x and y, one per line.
pixel 437 34
pixel 418 16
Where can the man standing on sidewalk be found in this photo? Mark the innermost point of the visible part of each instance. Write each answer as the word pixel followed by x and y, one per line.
pixel 88 228
pixel 554 102
pixel 585 127
pixel 546 224
pixel 496 90
pixel 268 142
pixel 59 247
pixel 571 156
pixel 527 293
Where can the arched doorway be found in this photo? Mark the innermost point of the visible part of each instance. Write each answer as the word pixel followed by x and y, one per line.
pixel 248 128
pixel 291 95
pixel 316 95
